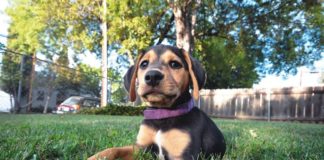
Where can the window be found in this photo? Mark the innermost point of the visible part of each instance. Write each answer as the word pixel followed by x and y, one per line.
pixel 90 103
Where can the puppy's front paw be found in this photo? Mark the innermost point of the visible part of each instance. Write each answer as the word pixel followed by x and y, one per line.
pixel 108 154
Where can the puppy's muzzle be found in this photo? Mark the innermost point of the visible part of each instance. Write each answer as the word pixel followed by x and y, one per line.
pixel 153 78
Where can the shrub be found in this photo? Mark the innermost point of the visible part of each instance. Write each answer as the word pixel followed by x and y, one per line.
pixel 40 109
pixel 113 109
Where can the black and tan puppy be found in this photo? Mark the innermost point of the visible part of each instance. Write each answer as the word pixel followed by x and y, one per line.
pixel 173 129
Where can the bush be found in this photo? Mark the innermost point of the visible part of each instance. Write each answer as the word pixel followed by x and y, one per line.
pixel 40 109
pixel 113 109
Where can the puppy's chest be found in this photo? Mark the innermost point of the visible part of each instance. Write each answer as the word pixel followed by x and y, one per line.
pixel 173 141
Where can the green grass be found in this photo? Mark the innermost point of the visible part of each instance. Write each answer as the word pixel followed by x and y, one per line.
pixel 79 136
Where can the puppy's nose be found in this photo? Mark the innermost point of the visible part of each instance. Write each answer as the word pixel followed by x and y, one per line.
pixel 153 78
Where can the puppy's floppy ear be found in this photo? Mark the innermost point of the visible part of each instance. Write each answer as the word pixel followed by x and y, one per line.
pixel 199 72
pixel 196 72
pixel 130 79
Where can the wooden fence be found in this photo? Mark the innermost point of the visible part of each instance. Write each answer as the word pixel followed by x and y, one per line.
pixel 302 104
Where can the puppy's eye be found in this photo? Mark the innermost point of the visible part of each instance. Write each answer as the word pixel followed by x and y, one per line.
pixel 175 65
pixel 144 64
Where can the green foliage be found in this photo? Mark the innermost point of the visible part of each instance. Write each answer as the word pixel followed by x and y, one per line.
pixel 113 109
pixel 227 64
pixel 27 25
pixel 132 24
pixel 80 136
pixel 117 89
pixel 88 79
pixel 118 93
pixel 271 36
pixel 10 73
pixel 278 36
pixel 83 79
pixel 40 109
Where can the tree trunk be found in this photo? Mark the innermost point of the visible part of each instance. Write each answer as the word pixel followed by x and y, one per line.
pixel 185 19
pixel 13 94
pixel 48 95
pixel 11 105
pixel 46 103
pixel 103 101
pixel 21 70
pixel 31 80
pixel 14 104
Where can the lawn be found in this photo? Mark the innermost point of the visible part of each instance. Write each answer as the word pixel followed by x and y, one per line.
pixel 79 136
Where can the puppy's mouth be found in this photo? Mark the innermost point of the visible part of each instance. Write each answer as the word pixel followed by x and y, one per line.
pixel 158 98
pixel 157 93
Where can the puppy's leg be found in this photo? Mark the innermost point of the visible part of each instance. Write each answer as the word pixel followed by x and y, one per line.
pixel 125 153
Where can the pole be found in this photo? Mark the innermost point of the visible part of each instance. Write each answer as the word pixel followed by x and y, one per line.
pixel 301 78
pixel 103 101
pixel 269 103
pixel 31 80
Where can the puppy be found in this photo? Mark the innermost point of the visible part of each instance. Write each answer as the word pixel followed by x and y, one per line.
pixel 172 129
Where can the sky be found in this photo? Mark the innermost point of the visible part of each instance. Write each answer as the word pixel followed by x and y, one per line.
pixel 304 76
pixel 4 20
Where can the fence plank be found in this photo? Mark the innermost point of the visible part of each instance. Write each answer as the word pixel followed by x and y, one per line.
pixel 283 103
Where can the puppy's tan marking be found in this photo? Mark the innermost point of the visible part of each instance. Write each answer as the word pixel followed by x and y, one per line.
pixel 175 142
pixel 192 75
pixel 175 81
pixel 179 76
pixel 126 153
pixel 150 56
pixel 168 56
pixel 132 92
pixel 145 136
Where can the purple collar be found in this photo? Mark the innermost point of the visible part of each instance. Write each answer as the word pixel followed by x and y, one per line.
pixel 161 113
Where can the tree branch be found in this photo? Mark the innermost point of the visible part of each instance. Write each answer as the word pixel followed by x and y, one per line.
pixel 155 24
pixel 215 31
pixel 165 30
pixel 173 37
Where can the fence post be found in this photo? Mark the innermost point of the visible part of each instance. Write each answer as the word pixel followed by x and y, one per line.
pixel 304 106
pixel 312 100
pixel 235 109
pixel 269 103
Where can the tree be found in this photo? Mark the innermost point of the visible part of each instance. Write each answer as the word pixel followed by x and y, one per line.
pixel 104 55
pixel 118 93
pixel 227 64
pixel 77 24
pixel 272 36
pixel 88 79
pixel 270 33
pixel 82 79
pixel 26 39
pixel 10 76
pixel 185 20
pixel 46 79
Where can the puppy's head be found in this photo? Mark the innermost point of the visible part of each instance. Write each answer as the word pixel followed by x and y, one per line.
pixel 164 73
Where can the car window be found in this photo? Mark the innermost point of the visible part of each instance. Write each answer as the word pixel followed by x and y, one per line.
pixel 89 103
pixel 72 100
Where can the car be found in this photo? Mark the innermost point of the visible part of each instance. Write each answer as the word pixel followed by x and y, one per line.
pixel 75 103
